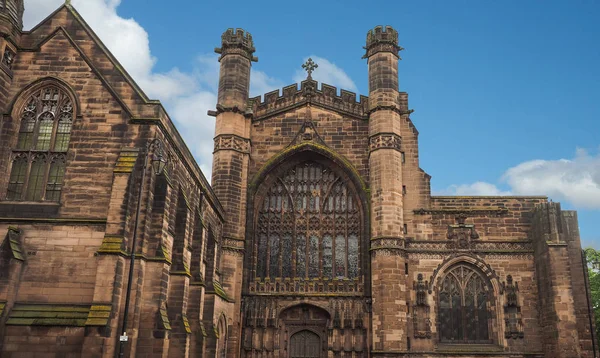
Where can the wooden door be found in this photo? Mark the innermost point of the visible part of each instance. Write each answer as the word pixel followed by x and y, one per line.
pixel 305 344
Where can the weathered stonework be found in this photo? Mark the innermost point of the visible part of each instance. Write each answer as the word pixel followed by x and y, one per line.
pixel 319 236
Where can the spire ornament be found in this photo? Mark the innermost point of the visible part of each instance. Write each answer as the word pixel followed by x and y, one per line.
pixel 309 66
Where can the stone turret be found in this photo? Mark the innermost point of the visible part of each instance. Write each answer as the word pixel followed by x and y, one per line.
pixel 387 195
pixel 230 165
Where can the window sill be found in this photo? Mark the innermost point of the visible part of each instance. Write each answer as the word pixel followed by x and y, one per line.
pixel 29 209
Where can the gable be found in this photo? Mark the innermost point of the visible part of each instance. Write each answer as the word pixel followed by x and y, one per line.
pixel 113 76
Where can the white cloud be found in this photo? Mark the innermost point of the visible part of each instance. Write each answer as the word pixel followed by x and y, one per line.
pixel 477 188
pixel 328 73
pixel 576 181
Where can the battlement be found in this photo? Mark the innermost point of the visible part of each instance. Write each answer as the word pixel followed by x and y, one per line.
pixel 382 39
pixel 237 41
pixel 276 102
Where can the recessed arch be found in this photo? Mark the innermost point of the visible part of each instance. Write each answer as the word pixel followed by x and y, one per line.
pixel 310 208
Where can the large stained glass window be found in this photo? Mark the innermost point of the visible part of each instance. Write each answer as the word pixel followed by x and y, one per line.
pixel 463 312
pixel 39 163
pixel 308 226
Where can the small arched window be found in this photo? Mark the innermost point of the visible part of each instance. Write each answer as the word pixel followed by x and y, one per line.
pixel 39 158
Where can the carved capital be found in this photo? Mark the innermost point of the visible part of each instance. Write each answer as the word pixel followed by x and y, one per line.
pixel 232 142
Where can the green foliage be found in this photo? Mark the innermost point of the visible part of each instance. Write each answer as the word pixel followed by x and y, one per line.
pixel 593 260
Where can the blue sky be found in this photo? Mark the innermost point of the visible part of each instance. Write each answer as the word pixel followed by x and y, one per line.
pixel 506 93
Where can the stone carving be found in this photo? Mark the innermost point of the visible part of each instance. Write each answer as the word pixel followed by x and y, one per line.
pixel 462 236
pixel 421 320
pixel 385 140
pixel 307 133
pixel 8 58
pixel 232 142
pixel 388 246
pixel 512 309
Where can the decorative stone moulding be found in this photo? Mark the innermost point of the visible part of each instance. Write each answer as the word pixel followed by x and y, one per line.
pixel 385 141
pixel 232 142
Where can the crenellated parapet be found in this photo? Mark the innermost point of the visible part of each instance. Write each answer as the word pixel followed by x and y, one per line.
pixel 276 102
pixel 238 42
pixel 382 39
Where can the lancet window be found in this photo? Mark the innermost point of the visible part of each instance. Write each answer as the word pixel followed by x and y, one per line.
pixel 463 307
pixel 39 158
pixel 308 226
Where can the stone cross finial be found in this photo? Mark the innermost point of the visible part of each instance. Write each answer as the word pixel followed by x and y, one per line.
pixel 67 2
pixel 309 67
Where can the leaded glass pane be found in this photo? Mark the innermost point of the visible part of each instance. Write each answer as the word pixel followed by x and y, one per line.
pixel 18 174
pixel 26 132
pixel 35 186
pixel 313 257
pixel 44 132
pixel 340 256
pixel 55 180
pixel 352 256
pixel 261 267
pixel 63 133
pixel 301 256
pixel 327 257
pixel 286 251
pixel 274 256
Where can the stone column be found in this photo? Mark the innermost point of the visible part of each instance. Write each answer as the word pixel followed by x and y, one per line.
pixel 230 164
pixel 385 162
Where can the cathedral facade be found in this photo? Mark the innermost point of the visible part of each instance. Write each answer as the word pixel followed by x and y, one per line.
pixel 318 237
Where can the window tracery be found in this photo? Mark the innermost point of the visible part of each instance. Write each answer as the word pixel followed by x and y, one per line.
pixel 39 159
pixel 463 313
pixel 308 226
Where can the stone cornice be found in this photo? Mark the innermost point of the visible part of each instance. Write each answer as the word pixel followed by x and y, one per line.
pixel 494 211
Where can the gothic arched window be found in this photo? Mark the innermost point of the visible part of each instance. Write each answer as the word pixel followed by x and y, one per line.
pixel 39 159
pixel 308 225
pixel 463 312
